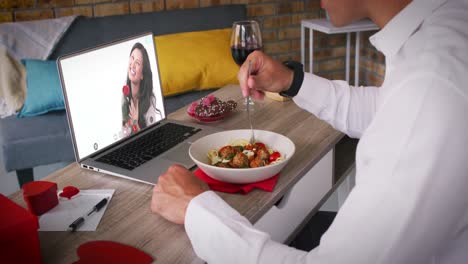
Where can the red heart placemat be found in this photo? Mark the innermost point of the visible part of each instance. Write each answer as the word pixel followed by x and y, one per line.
pixel 216 185
pixel 103 252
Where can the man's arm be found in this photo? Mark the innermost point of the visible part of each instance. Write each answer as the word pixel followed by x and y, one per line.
pixel 348 109
pixel 407 203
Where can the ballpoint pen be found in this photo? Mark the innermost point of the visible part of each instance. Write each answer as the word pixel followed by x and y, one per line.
pixel 78 222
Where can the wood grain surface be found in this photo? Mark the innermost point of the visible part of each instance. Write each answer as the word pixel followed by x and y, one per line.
pixel 128 218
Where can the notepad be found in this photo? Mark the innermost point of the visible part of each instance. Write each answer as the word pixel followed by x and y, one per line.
pixel 68 210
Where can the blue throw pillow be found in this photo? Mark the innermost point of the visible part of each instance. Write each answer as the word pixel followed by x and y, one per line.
pixel 43 88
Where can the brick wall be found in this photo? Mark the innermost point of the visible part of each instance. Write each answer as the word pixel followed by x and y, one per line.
pixel 279 19
pixel 372 62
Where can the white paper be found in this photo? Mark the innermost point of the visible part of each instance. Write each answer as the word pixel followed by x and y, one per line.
pixel 67 211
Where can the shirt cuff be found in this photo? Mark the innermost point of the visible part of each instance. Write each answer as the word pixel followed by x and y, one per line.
pixel 209 201
pixel 225 227
pixel 314 93
pixel 205 207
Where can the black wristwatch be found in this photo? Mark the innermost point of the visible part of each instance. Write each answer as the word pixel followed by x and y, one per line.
pixel 298 78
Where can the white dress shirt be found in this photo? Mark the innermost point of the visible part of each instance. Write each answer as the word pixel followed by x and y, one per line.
pixel 410 202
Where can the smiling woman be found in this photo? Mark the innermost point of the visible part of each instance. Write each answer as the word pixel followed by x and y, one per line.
pixel 139 102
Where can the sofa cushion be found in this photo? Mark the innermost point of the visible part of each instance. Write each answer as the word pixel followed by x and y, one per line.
pixel 195 61
pixel 43 88
pixel 33 141
pixel 12 84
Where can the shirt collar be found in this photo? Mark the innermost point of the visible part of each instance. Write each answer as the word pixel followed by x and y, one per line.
pixel 391 38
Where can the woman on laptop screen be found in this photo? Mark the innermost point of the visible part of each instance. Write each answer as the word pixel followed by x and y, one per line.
pixel 138 102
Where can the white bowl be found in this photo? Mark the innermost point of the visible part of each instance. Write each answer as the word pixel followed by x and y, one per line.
pixel 199 149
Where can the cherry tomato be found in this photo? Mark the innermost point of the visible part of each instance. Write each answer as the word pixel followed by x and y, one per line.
pixel 259 145
pixel 274 156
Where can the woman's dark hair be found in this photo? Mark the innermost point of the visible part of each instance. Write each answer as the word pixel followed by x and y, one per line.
pixel 146 95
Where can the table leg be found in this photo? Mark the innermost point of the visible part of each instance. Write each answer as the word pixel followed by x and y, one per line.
pixel 311 50
pixel 302 44
pixel 348 48
pixel 25 176
pixel 356 59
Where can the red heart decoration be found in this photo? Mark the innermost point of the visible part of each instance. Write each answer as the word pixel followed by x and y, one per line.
pixel 110 252
pixel 69 192
pixel 40 196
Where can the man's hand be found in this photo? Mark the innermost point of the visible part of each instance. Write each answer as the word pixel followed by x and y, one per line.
pixel 266 75
pixel 174 191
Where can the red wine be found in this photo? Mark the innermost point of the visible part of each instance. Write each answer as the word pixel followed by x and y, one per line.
pixel 241 54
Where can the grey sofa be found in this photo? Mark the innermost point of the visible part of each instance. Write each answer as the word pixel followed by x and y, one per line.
pixel 29 142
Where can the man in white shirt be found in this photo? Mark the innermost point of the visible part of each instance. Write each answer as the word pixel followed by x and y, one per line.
pixel 409 204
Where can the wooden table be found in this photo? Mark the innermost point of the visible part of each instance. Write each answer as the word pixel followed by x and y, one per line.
pixel 128 218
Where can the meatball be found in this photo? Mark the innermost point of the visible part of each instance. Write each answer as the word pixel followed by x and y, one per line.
pixel 263 154
pixel 227 152
pixel 240 160
pixel 257 162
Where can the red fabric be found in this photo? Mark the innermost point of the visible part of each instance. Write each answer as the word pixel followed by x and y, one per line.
pixel 266 185
pixel 40 196
pixel 19 241
pixel 102 252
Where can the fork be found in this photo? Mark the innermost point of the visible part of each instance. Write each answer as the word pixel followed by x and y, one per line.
pixel 252 135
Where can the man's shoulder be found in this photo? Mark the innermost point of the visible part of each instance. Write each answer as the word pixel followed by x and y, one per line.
pixel 439 47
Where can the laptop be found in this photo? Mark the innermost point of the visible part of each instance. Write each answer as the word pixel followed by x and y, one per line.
pixel 115 109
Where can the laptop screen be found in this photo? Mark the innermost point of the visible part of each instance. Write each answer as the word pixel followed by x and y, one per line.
pixel 111 92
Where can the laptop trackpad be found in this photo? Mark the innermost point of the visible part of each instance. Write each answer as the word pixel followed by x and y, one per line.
pixel 180 155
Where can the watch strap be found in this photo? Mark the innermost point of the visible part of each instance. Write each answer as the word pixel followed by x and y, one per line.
pixel 298 78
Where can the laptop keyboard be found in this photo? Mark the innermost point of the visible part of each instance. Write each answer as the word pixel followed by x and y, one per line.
pixel 148 146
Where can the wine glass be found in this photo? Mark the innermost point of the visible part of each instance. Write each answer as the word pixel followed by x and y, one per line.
pixel 245 38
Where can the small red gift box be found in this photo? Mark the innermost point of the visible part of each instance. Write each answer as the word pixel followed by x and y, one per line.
pixel 19 241
pixel 40 196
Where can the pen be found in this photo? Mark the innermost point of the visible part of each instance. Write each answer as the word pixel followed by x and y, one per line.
pixel 78 222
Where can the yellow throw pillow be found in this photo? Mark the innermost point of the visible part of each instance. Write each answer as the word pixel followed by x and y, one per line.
pixel 195 61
